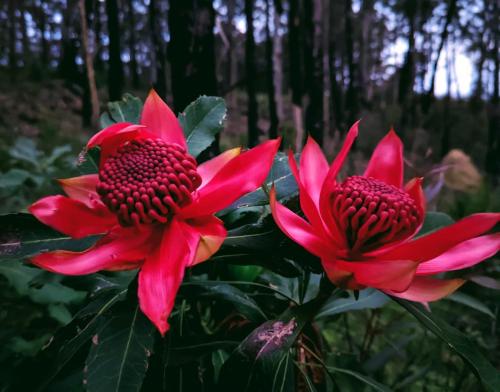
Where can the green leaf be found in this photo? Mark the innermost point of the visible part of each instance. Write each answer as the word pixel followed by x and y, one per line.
pixel 88 161
pixel 218 358
pixel 458 342
pixel 471 302
pixel 120 351
pixel 368 299
pixel 127 110
pixel 225 292
pixel 260 361
pixel 361 377
pixel 434 221
pixel 201 121
pixel 13 178
pixel 23 235
pixel 183 354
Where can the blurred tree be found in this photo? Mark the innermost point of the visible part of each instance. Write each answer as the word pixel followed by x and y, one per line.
pixel 158 65
pixel 132 44
pixel 271 90
pixel 250 76
pixel 115 70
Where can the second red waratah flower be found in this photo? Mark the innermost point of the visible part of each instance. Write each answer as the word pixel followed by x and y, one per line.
pixel 154 204
pixel 363 228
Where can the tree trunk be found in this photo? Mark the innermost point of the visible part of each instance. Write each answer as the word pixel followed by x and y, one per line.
pixel 271 91
pixel 68 67
pixel 337 117
pixel 12 35
pixel 134 74
pixel 24 31
pixel 158 61
pixel 97 12
pixel 253 131
pixel 352 101
pixel 115 70
pixel 313 66
pixel 278 59
pixel 295 46
pixel 428 97
pixel 89 70
pixel 493 145
pixel 232 59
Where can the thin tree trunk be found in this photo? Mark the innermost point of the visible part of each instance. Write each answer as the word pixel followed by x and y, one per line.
pixel 452 6
pixel 271 91
pixel 313 66
pixel 295 46
pixel 158 63
pixel 12 35
pixel 232 59
pixel 43 28
pixel 253 132
pixel 89 69
pixel 278 60
pixel 335 88
pixel 24 31
pixel 493 152
pixel 352 101
pixel 132 42
pixel 115 70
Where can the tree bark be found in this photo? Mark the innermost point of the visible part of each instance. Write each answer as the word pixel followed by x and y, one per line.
pixel 295 49
pixel 89 70
pixel 253 132
pixel 134 74
pixel 271 90
pixel 278 59
pixel 313 66
pixel 11 10
pixel 337 117
pixel 115 70
pixel 352 100
pixel 158 61
pixel 42 21
pixel 232 58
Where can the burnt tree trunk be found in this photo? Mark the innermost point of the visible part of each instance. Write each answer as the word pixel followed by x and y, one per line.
pixel 158 63
pixel 296 68
pixel 253 131
pixel 115 70
pixel 134 73
pixel 313 67
pixel 191 51
pixel 271 90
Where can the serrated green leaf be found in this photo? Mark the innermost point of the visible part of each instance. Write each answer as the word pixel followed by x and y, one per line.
pixel 128 109
pixel 368 299
pixel 201 121
pixel 120 351
pixel 458 342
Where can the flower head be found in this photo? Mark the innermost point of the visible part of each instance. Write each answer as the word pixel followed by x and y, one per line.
pixel 153 203
pixel 363 228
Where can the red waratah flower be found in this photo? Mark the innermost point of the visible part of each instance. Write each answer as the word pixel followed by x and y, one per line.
pixel 153 203
pixel 363 228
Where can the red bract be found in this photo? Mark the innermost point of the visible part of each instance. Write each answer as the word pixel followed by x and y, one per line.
pixel 363 228
pixel 152 202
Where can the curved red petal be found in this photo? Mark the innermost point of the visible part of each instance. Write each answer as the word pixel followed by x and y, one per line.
pixel 463 255
pixel 161 121
pixel 386 163
pixel 161 275
pixel 313 169
pixel 432 245
pixel 299 230
pixel 121 249
pixel 72 217
pixel 206 235
pixel 209 169
pixel 381 274
pixel 241 175
pixel 82 188
pixel 329 183
pixel 424 289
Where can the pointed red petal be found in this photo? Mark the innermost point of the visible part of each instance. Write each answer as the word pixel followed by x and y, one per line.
pixel 241 175
pixel 82 189
pixel 329 183
pixel 209 169
pixel 72 217
pixel 463 255
pixel 381 274
pixel 386 163
pixel 298 229
pixel 121 249
pixel 424 289
pixel 160 120
pixel 313 169
pixel 414 189
pixel 161 275
pixel 432 245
